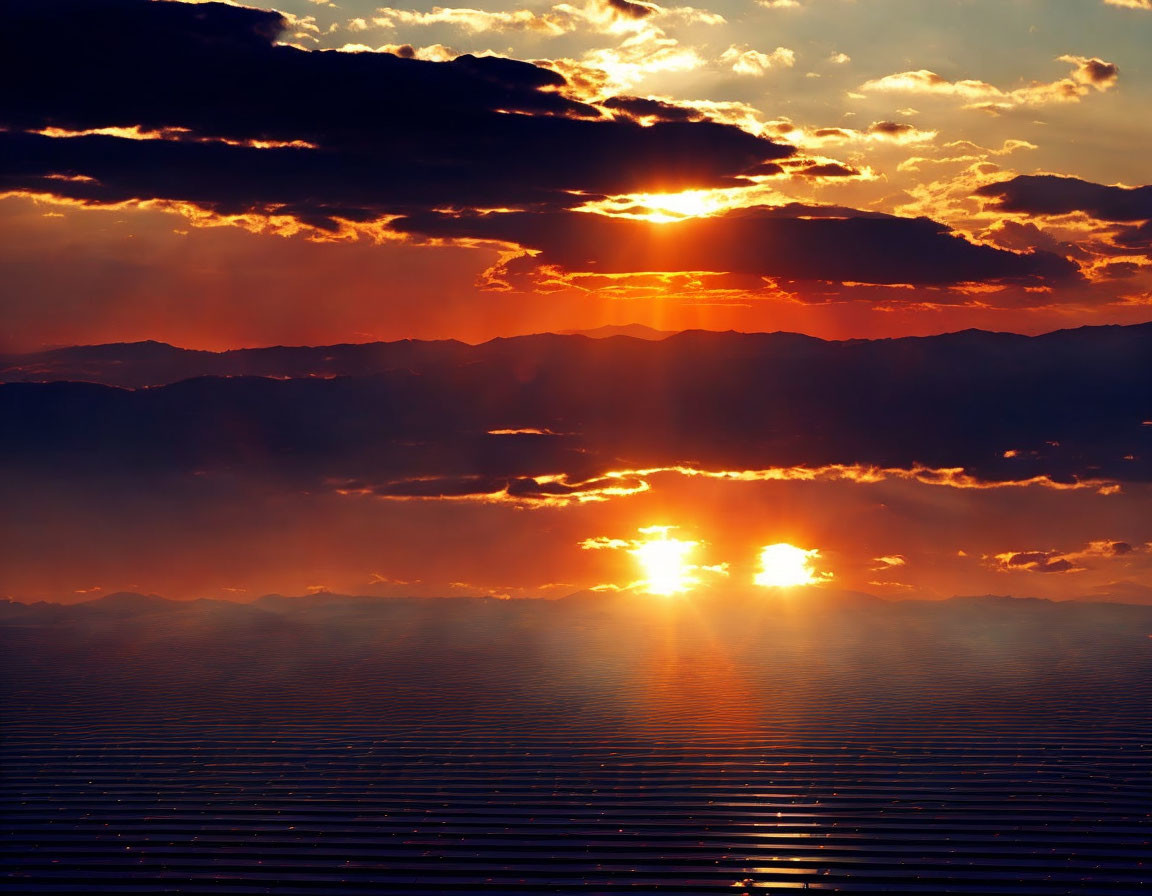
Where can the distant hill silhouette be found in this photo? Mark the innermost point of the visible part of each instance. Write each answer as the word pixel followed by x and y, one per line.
pixel 819 599
pixel 138 364
pixel 428 418
pixel 633 331
pixel 128 603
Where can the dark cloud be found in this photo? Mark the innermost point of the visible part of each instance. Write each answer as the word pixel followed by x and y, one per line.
pixel 317 185
pixel 524 489
pixel 433 487
pixel 630 10
pixel 1026 236
pixel 1035 561
pixel 1046 194
pixel 1119 270
pixel 376 134
pixel 382 133
pixel 639 107
pixel 829 169
pixel 1061 561
pixel 787 243
pixel 765 169
pixel 217 70
pixel 1138 237
pixel 1097 71
pixel 890 128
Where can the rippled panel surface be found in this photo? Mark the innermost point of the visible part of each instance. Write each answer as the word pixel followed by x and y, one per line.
pixel 609 745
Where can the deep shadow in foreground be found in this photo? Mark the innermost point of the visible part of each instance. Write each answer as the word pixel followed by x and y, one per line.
pixel 605 743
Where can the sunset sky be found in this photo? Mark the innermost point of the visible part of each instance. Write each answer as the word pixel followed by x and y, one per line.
pixel 218 177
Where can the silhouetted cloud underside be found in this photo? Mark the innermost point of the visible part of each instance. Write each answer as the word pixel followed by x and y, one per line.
pixel 386 133
pixel 375 135
pixel 1046 194
pixel 794 242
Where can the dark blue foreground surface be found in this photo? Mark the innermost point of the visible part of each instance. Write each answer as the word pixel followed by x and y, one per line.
pixel 605 746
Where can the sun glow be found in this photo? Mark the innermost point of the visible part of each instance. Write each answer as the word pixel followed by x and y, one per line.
pixel 784 565
pixel 664 561
pixel 674 206
pixel 665 208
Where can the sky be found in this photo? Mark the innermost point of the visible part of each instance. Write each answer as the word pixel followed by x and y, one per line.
pixel 219 176
pixel 246 218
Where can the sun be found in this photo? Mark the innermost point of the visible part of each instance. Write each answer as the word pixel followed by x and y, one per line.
pixel 664 561
pixel 690 203
pixel 664 208
pixel 784 565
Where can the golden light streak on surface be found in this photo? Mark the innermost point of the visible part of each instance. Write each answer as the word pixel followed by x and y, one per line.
pixel 664 561
pixel 784 565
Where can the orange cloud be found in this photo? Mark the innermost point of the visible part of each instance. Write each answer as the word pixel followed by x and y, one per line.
pixel 1088 74
pixel 745 61
pixel 559 490
pixel 1054 561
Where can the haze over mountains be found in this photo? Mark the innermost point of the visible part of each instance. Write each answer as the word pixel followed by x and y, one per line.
pixel 403 657
pixel 1068 405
